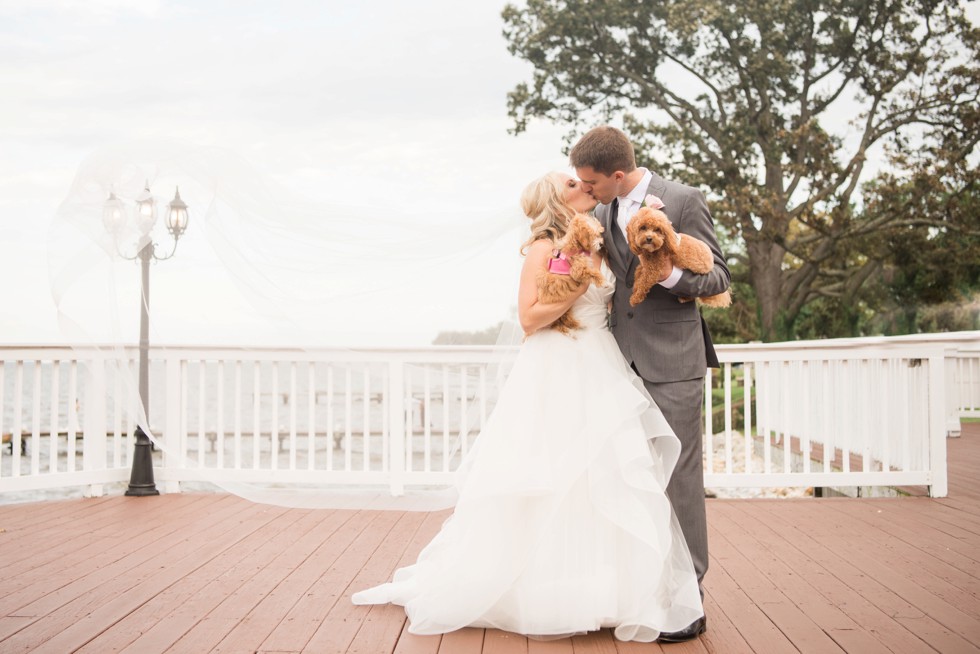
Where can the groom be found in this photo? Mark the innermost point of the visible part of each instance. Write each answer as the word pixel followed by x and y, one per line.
pixel 665 340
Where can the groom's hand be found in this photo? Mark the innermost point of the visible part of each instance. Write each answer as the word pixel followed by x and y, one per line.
pixel 666 268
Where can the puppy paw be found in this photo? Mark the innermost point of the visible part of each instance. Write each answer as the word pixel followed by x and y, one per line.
pixel 720 301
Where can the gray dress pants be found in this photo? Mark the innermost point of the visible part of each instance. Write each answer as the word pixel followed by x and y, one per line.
pixel 681 403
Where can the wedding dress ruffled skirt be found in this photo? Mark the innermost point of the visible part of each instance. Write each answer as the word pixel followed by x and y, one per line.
pixel 562 524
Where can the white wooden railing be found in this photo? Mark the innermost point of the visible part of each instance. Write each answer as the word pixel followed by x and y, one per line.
pixel 963 384
pixel 853 412
pixel 840 412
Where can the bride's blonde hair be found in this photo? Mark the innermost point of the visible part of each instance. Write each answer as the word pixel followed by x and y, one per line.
pixel 543 202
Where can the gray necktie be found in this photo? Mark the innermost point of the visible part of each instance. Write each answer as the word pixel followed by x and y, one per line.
pixel 617 234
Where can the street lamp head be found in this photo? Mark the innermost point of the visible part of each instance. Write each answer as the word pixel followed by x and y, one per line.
pixel 146 213
pixel 113 214
pixel 177 216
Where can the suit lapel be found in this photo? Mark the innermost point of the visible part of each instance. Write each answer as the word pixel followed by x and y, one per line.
pixel 609 224
pixel 622 247
pixel 657 187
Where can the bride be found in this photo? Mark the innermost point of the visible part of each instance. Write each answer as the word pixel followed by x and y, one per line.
pixel 562 524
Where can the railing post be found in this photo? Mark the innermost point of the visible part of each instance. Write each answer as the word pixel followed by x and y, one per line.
pixel 937 424
pixel 94 429
pixel 171 429
pixel 950 361
pixel 396 426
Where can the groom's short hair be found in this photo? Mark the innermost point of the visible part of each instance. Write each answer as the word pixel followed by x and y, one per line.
pixel 605 150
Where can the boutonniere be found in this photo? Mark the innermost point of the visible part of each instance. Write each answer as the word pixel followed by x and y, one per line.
pixel 654 202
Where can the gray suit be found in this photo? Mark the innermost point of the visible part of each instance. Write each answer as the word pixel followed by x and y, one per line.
pixel 668 345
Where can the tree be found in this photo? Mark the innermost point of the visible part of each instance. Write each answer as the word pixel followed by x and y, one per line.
pixel 928 272
pixel 746 99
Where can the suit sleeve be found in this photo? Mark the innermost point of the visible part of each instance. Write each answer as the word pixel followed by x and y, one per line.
pixel 696 221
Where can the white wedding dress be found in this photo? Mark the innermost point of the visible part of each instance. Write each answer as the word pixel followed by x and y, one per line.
pixel 562 525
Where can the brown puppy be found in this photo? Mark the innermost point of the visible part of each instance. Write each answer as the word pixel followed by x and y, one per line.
pixel 652 239
pixel 572 267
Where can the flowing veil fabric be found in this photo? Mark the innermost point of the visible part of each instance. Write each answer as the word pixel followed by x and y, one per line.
pixel 308 274
pixel 563 524
pixel 559 504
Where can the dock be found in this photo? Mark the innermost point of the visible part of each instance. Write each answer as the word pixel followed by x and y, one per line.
pixel 215 573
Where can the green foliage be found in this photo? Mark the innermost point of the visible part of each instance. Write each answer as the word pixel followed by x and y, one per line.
pixel 737 400
pixel 738 98
pixel 738 323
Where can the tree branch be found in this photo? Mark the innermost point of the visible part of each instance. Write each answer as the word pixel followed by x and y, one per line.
pixel 658 92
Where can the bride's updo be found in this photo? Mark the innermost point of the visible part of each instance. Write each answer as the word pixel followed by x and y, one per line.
pixel 543 202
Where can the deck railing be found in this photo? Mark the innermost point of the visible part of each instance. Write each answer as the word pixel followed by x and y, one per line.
pixel 963 382
pixel 840 412
pixel 847 412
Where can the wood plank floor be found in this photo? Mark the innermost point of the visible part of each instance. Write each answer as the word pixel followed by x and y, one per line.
pixel 214 573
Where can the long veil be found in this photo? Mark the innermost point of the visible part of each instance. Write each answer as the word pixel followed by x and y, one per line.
pixel 299 290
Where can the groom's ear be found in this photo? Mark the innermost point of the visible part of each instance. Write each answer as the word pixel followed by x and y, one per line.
pixel 618 177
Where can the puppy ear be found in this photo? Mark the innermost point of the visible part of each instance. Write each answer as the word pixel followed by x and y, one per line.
pixel 670 236
pixel 632 227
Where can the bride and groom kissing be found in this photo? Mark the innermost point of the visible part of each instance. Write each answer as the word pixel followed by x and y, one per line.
pixel 581 506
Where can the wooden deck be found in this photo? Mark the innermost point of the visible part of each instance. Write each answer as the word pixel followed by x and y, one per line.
pixel 199 573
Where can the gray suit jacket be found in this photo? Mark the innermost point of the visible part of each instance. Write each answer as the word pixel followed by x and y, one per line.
pixel 664 338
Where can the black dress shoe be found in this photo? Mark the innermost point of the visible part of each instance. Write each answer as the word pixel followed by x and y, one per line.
pixel 696 628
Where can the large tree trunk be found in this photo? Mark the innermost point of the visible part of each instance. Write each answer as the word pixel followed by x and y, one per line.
pixel 766 273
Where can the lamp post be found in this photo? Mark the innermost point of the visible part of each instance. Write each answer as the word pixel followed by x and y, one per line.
pixel 114 213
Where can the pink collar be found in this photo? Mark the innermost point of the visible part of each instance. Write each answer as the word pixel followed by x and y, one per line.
pixel 559 263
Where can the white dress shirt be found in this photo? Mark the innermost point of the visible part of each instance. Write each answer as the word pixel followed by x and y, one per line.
pixel 629 204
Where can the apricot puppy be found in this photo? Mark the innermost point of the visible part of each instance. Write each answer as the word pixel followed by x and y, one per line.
pixel 571 267
pixel 653 240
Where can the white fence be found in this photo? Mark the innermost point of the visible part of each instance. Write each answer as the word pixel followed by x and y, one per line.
pixel 963 385
pixel 841 412
pixel 856 412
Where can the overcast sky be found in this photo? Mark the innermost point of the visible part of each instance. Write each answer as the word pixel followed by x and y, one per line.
pixel 337 100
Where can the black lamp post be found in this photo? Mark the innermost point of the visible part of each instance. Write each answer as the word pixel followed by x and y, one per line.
pixel 114 218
